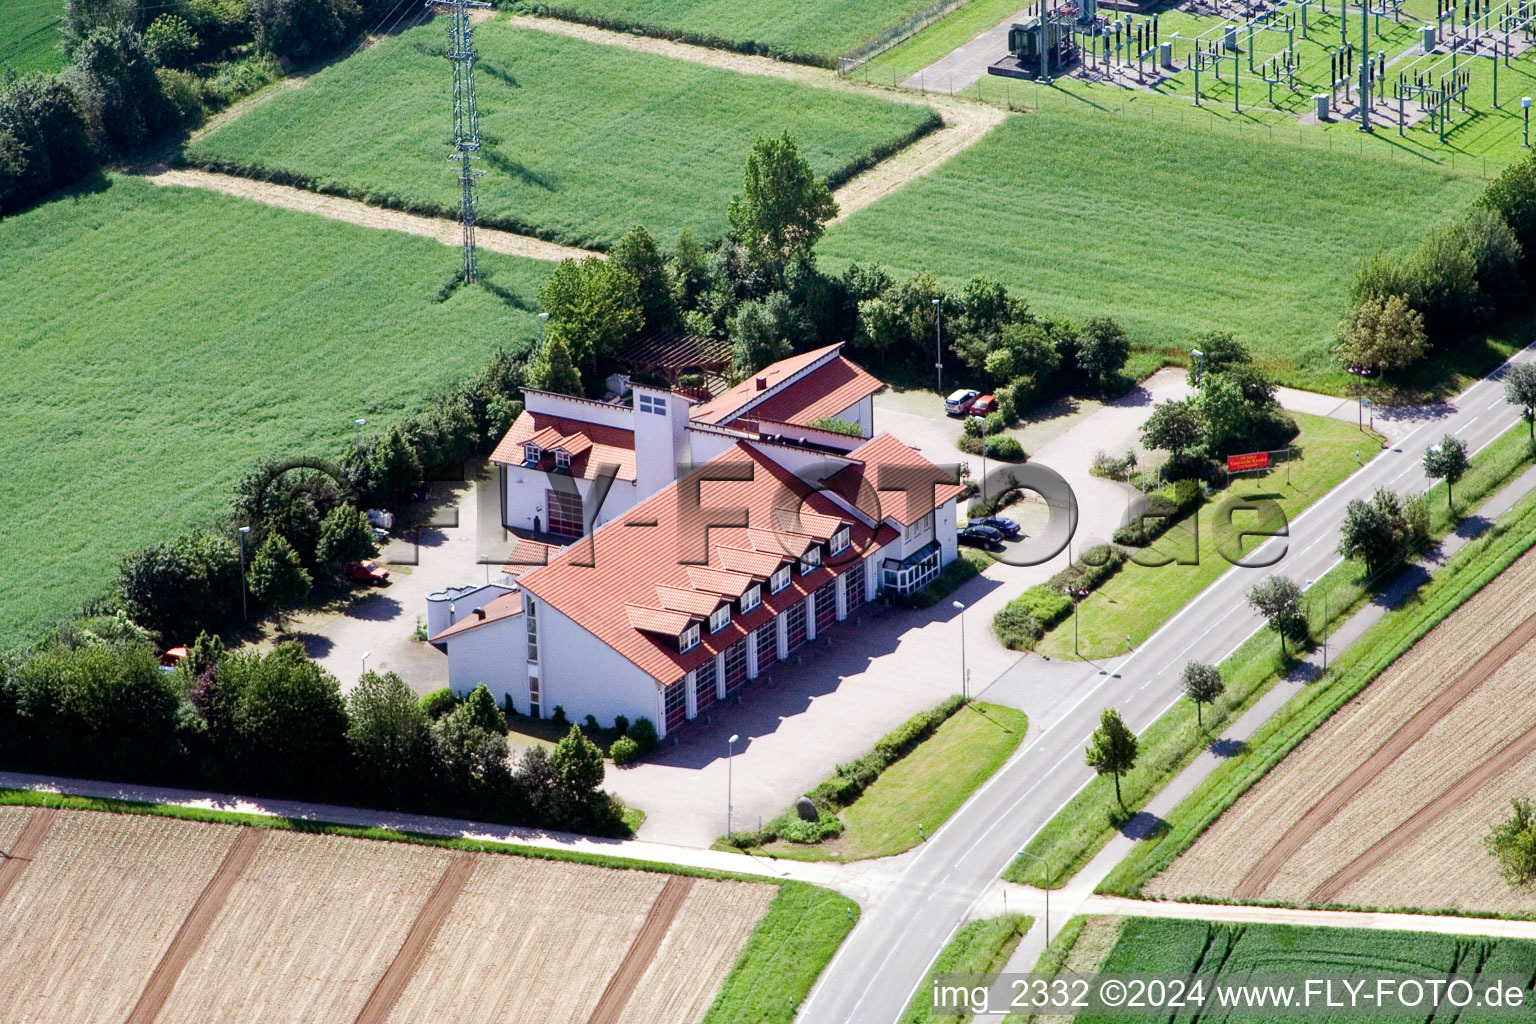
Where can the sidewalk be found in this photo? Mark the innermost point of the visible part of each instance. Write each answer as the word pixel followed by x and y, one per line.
pixel 1077 896
pixel 863 881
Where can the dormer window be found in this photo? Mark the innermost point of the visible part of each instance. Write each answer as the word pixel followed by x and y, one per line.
pixel 720 618
pixel 839 542
pixel 751 598
pixel 689 639
pixel 779 580
pixel 809 561
pixel 531 454
pixel 562 460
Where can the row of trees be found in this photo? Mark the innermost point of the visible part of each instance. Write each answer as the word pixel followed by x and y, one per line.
pixel 139 69
pixel 759 289
pixel 93 700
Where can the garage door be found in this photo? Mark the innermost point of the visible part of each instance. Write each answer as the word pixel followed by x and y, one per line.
pixel 564 512
pixel 767 646
pixel 735 666
pixel 704 685
pixel 795 621
pixel 855 580
pixel 826 607
pixel 675 703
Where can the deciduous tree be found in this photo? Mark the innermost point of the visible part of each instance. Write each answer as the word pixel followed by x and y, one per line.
pixel 1446 460
pixel 783 207
pixel 553 370
pixel 1512 842
pixel 593 305
pixel 1112 749
pixel 1173 426
pixel 1202 684
pixel 1520 389
pixel 1382 333
pixel 1278 599
pixel 277 577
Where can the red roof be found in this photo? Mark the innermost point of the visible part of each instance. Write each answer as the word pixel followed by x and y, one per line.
pixel 590 445
pixel 635 564
pixel 503 607
pixel 898 475
pixel 734 401
pixel 826 391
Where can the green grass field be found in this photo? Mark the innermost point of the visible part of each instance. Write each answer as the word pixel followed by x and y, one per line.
pixel 1173 947
pixel 1138 599
pixel 810 32
pixel 160 342
pixel 1172 232
pixel 29 35
pixel 581 141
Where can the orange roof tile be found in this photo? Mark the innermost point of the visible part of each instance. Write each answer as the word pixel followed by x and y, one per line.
pixel 826 391
pixel 503 607
pixel 591 445
pixel 719 581
pixel 899 476
pixel 657 620
pixel 686 599
pixel 730 404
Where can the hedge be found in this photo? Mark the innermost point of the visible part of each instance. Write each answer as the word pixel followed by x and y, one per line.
pixel 1160 515
pixel 1025 619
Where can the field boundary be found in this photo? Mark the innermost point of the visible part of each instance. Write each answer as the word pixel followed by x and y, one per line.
pixel 38 825
pixel 626 980
pixel 194 927
pixel 417 941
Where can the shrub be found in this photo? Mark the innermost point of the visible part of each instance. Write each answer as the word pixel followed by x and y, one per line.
pixel 643 732
pixel 1160 513
pixel 184 587
pixel 791 827
pixel 438 703
pixel 620 724
pixel 838 426
pixel 1003 449
pixel 1113 467
pixel 303 30
pixel 170 42
pixel 1025 619
pixel 183 95
pixel 1091 570
pixel 624 750
pixel 559 717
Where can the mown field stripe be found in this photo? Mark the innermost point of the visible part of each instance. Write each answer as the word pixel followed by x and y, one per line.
pixel 1463 790
pixel 1323 811
pixel 417 941
pixel 27 844
pixel 610 1007
pixel 192 931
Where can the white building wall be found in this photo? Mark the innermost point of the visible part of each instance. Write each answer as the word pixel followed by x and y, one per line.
pixel 495 654
pixel 944 526
pixel 660 441
pixel 526 498
pixel 584 410
pixel 586 676
pixel 862 413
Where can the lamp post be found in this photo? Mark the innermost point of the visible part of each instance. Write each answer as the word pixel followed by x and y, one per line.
pixel 1077 599
pixel 1525 108
pixel 730 751
pixel 244 614
pixel 938 348
pixel 1360 373
pixel 359 423
pixel 1047 865
pixel 1199 363
pixel 542 318
pixel 965 674
pixel 366 656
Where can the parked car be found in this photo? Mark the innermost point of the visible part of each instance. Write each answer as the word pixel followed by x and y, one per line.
pixel 382 518
pixel 367 571
pixel 959 403
pixel 1002 524
pixel 171 658
pixel 983 405
pixel 980 536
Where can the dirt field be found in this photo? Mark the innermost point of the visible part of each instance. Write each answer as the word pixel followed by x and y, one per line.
pixel 1386 804
pixel 113 917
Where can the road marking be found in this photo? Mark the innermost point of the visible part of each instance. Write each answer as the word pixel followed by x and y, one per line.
pixel 1465 425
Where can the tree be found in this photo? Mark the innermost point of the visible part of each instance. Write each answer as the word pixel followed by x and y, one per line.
pixel 387 733
pixel 760 333
pixel 1513 843
pixel 392 466
pixel 686 270
pixel 277 578
pixel 783 207
pixel 345 536
pixel 1520 389
pixel 1382 334
pixel 1378 531
pixel 1446 460
pixel 481 711
pixel 1112 749
pixel 170 41
pixel 1102 349
pixel 1278 600
pixel 637 254
pixel 1512 195
pixel 114 80
pixel 1202 684
pixel 471 762
pixel 1173 426
pixel 552 369
pixel 303 30
pixel 578 768
pixel 1220 352
pixel 1224 410
pixel 289 718
pixel 183 587
pixel 44 140
pixel 593 305
pixel 82 17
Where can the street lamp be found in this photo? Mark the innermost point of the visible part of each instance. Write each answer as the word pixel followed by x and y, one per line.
pixel 1325 623
pixel 938 350
pixel 1077 599
pixel 542 318
pixel 1360 373
pixel 1047 865
pixel 965 674
pixel 359 423
pixel 1525 106
pixel 244 614
pixel 366 656
pixel 1199 363
pixel 730 752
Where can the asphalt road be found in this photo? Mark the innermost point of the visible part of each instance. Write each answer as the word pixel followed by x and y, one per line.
pixel 879 967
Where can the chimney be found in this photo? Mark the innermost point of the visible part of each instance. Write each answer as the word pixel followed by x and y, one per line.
pixel 762 383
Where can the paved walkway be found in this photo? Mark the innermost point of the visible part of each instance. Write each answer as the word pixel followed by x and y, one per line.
pixel 966 63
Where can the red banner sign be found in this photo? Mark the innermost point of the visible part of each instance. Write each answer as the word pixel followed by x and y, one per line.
pixel 1252 460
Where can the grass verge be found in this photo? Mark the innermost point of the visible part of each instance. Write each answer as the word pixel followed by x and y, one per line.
pixel 1082 827
pixel 979 947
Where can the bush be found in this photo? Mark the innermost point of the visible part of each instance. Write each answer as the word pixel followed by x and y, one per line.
pixel 1017 629
pixel 303 30
pixel 1090 571
pixel 183 588
pixel 620 724
pixel 183 95
pixel 790 827
pixel 1003 449
pixel 624 750
pixel 1160 514
pixel 170 42
pixel 643 732
pixel 1113 467
pixel 44 141
pixel 438 703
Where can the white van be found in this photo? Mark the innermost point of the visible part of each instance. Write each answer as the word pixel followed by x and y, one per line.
pixel 959 403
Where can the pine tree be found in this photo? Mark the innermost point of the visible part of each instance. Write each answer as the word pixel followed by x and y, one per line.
pixel 553 369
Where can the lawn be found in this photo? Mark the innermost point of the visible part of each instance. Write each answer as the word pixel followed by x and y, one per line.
pixel 1081 828
pixel 1173 232
pixel 29 35
pixel 813 32
pixel 1137 600
pixel 160 342
pixel 979 947
pixel 581 141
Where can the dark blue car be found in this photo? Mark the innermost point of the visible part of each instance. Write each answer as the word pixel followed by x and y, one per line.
pixel 1002 524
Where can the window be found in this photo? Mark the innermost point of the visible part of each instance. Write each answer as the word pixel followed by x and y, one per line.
pixel 752 598
pixel 533 628
pixel 531 454
pixel 689 640
pixel 839 542
pixel 653 404
pixel 720 618
pixel 779 581
pixel 809 561
pixel 923 525
pixel 563 461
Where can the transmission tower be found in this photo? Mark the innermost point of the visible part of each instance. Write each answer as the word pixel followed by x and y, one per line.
pixel 466 118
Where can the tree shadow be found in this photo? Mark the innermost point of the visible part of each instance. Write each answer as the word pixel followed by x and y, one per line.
pixel 506 295
pixel 315 645
pixel 1143 825
pixel 1224 748
pixel 375 608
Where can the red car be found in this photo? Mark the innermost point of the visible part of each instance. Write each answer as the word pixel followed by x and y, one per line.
pixel 367 571
pixel 983 405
